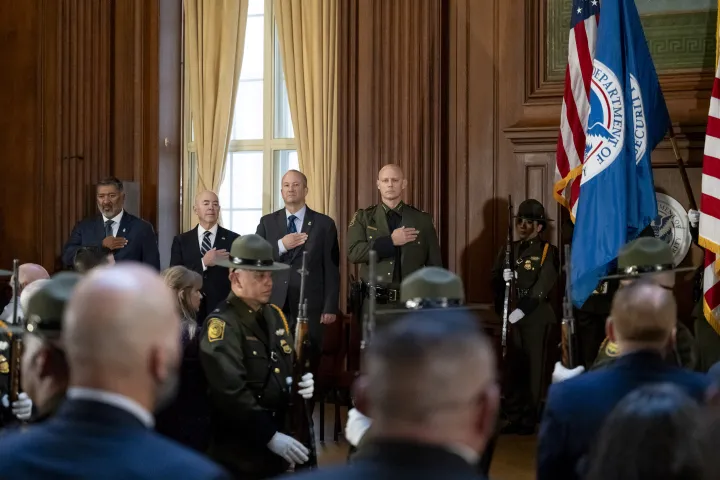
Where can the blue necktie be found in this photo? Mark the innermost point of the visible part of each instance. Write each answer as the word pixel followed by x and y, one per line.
pixel 291 228
pixel 108 228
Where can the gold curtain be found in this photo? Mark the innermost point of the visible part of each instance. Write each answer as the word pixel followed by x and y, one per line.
pixel 308 34
pixel 214 39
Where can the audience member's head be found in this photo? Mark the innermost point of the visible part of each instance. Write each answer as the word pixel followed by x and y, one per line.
pixel 651 434
pixel 121 334
pixel 294 188
pixel 431 378
pixel 44 368
pixel 708 434
pixel 186 285
pixel 29 291
pixel 207 208
pixel 643 317
pixel 27 274
pixel 87 258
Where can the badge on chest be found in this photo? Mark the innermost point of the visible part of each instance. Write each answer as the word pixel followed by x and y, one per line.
pixel 285 346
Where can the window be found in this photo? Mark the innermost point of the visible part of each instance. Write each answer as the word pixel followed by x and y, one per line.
pixel 262 146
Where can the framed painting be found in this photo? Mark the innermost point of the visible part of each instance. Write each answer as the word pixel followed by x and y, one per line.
pixel 680 34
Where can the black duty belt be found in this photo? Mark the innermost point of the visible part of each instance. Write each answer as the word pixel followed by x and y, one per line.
pixel 384 294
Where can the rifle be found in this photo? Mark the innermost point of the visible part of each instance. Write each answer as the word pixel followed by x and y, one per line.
pixel 568 321
pixel 300 413
pixel 16 345
pixel 509 285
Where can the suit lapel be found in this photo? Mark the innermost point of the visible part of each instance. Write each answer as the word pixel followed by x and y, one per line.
pixel 100 228
pixel 194 247
pixel 248 318
pixel 281 222
pixel 222 237
pixel 125 224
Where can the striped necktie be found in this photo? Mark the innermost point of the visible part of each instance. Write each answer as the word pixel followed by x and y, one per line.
pixel 205 243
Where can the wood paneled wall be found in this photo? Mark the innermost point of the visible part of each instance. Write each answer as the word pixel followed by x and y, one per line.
pixel 491 118
pixel 82 101
pixel 390 111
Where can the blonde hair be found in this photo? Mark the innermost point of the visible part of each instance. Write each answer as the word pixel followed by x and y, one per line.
pixel 182 280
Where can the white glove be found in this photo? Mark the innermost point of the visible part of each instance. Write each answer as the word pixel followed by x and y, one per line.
pixel 21 408
pixel 693 217
pixel 307 386
pixel 356 426
pixel 288 448
pixel 509 274
pixel 560 373
pixel 516 315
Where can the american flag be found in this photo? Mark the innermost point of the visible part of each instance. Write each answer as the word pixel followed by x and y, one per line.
pixel 710 211
pixel 576 103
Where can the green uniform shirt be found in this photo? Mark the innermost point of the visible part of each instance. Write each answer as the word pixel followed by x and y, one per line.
pixel 369 230
pixel 536 266
pixel 246 367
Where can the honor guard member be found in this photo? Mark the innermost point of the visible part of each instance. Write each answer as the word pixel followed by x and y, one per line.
pixel 45 372
pixel 652 258
pixel 247 356
pixel 535 271
pixel 403 237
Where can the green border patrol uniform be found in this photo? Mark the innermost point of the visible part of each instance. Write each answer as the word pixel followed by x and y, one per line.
pixel 247 356
pixel 371 229
pixel 642 257
pixel 536 268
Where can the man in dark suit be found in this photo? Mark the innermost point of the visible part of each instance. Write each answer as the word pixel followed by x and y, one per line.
pixel 642 324
pixel 199 249
pixel 104 428
pixel 430 389
pixel 291 231
pixel 116 231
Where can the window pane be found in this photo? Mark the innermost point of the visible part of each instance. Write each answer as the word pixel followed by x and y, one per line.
pixel 245 221
pixel 252 62
pixel 256 7
pixel 282 127
pixel 247 180
pixel 248 116
pixel 283 161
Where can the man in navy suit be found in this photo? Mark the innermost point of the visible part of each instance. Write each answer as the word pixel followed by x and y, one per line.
pixel 291 231
pixel 116 231
pixel 199 249
pixel 121 335
pixel 642 324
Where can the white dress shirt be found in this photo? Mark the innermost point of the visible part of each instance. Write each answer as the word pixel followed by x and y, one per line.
pixel 116 222
pixel 116 400
pixel 299 218
pixel 201 234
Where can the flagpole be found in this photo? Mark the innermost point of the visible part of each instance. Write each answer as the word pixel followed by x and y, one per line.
pixel 681 167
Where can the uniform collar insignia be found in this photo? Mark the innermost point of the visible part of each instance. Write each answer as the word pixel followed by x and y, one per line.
pixel 280 332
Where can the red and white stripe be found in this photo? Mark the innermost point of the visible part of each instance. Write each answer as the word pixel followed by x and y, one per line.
pixel 575 110
pixel 710 210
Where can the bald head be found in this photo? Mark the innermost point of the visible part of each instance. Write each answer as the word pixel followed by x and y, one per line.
pixel 643 313
pixel 207 208
pixel 432 375
pixel 30 272
pixel 122 332
pixel 391 182
pixel 28 292
pixel 294 189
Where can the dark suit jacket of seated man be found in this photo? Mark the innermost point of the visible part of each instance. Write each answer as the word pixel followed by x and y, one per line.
pixel 576 408
pixel 319 234
pixel 128 237
pixel 187 251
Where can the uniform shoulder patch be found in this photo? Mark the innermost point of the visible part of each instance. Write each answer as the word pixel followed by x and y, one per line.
pixel 216 329
pixel 611 349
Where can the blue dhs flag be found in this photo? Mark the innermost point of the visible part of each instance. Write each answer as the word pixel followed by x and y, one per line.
pixel 628 118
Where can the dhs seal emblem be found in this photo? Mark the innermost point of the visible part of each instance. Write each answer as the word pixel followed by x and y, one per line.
pixel 638 118
pixel 606 122
pixel 672 226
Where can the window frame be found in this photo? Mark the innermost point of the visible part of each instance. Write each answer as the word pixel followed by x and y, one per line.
pixel 268 144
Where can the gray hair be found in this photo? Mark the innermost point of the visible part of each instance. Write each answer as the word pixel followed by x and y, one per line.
pixel 426 365
pixel 111 181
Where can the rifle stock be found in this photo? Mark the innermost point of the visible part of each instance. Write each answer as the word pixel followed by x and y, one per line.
pixel 568 321
pixel 16 344
pixel 302 426
pixel 510 284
